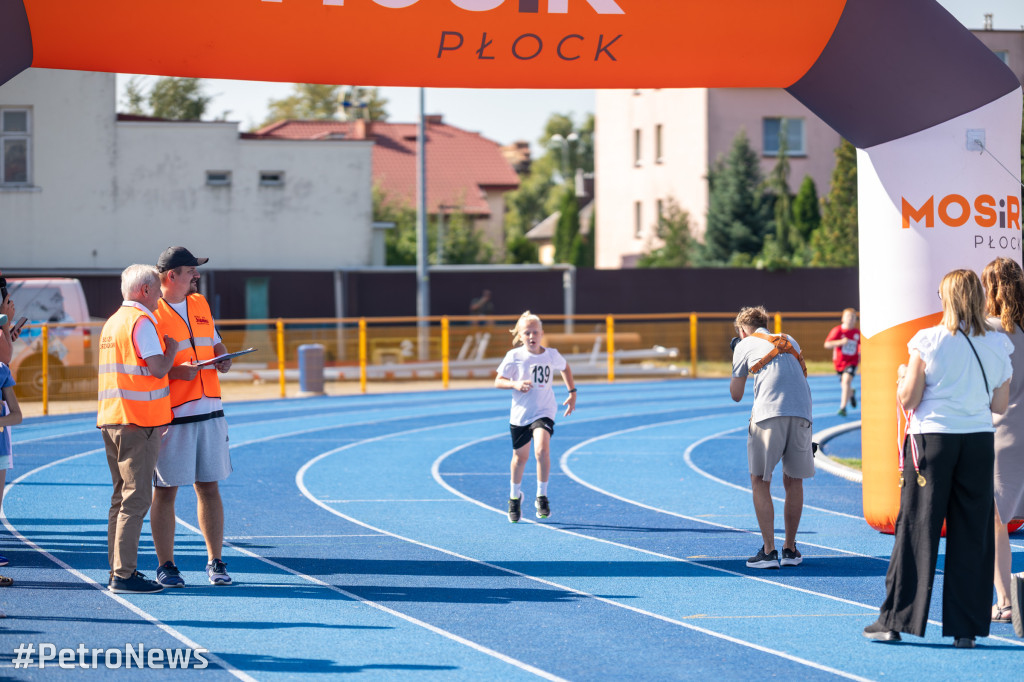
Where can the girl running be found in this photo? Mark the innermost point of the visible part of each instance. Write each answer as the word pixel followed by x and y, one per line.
pixel 528 369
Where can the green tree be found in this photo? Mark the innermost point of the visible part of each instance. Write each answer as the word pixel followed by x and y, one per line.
pixel 678 245
pixel 135 97
pixel 834 244
pixel 781 242
pixel 462 245
pixel 521 250
pixel 583 246
pixel 737 216
pixel 399 241
pixel 568 225
pixel 180 99
pixel 317 102
pixel 806 214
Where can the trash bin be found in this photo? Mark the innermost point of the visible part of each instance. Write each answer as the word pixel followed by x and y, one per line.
pixel 311 369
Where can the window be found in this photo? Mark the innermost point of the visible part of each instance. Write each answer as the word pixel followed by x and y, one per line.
pixel 660 209
pixel 638 219
pixel 218 178
pixel 271 178
pixel 1003 55
pixel 658 155
pixel 794 128
pixel 637 140
pixel 15 146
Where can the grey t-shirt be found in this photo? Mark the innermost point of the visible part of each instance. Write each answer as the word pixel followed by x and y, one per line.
pixel 780 388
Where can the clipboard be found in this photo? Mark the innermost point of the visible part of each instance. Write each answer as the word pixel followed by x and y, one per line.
pixel 225 356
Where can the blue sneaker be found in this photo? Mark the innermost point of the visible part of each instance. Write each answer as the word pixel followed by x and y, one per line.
pixel 217 572
pixel 4 561
pixel 168 575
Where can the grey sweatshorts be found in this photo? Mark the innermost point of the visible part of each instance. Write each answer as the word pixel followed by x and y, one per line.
pixel 780 438
pixel 193 452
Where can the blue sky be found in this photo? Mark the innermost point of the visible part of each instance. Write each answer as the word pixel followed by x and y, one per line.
pixel 508 115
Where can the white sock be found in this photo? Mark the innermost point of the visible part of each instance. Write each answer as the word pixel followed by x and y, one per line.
pixel 542 488
pixel 517 490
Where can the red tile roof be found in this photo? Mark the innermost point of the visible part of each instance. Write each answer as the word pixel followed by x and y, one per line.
pixel 460 164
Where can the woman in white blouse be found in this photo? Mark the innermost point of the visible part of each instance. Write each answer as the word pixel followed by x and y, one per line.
pixel 957 376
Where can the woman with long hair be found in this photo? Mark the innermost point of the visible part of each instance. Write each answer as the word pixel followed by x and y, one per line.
pixel 1004 302
pixel 957 376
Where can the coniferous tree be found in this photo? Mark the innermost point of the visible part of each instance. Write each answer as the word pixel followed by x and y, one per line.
pixel 834 244
pixel 568 225
pixel 737 211
pixel 806 214
pixel 678 244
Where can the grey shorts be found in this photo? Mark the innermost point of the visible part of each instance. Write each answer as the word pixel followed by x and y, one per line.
pixel 193 452
pixel 785 439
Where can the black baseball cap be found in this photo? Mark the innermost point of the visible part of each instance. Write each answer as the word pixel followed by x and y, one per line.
pixel 177 257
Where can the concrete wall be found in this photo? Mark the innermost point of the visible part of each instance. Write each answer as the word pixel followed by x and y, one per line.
pixel 106 194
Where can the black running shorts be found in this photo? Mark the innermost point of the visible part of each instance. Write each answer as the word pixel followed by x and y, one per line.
pixel 522 435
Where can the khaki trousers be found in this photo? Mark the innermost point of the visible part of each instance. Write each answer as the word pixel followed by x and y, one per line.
pixel 132 452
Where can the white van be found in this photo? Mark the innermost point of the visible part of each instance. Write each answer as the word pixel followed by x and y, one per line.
pixel 51 301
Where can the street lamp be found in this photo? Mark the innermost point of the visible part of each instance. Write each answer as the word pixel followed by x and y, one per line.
pixel 562 141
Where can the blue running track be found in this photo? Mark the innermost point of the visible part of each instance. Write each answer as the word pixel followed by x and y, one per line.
pixel 367 535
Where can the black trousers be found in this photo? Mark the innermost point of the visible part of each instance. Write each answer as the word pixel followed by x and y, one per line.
pixel 958 470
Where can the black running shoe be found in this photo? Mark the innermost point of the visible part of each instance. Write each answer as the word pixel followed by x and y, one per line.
pixel 514 513
pixel 880 633
pixel 791 557
pixel 762 560
pixel 853 398
pixel 543 508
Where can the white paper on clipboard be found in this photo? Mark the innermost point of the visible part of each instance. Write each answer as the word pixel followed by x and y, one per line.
pixel 225 356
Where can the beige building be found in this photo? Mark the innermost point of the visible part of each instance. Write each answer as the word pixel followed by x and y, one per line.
pixel 656 145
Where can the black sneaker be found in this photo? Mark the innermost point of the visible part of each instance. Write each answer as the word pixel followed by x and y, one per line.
pixel 791 557
pixel 136 584
pixel 543 508
pixel 853 398
pixel 762 560
pixel 964 642
pixel 514 513
pixel 880 633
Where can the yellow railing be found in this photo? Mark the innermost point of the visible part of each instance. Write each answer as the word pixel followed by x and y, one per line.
pixel 58 361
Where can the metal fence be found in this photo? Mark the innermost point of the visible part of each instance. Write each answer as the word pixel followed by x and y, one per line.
pixel 59 361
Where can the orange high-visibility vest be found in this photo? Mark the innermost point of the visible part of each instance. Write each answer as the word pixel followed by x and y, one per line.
pixel 128 391
pixel 194 345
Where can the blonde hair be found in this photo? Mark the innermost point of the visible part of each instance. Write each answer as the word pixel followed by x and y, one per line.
pixel 755 317
pixel 1004 292
pixel 963 302
pixel 516 331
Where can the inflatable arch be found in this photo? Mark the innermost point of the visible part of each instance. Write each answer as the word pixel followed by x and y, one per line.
pixel 929 108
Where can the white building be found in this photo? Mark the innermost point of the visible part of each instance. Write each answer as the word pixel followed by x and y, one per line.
pixel 83 189
pixel 652 145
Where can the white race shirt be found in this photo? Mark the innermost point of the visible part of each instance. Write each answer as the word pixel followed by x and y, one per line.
pixel 540 368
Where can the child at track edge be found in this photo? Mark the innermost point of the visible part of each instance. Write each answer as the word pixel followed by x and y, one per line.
pixel 528 370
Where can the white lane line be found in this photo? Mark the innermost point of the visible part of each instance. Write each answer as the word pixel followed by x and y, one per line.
pixel 299 480
pixel 103 588
pixel 563 463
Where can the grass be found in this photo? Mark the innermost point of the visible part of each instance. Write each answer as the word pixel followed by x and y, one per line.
pixel 719 370
pixel 852 462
